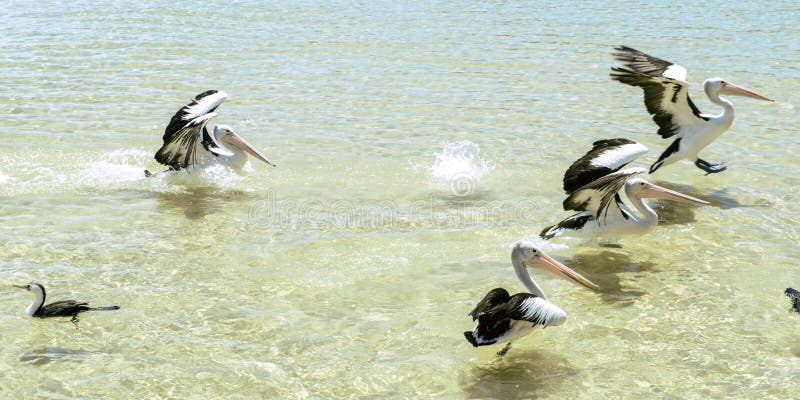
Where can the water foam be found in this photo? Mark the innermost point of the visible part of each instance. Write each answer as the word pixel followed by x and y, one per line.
pixel 216 174
pixel 4 178
pixel 115 167
pixel 459 164
pixel 111 170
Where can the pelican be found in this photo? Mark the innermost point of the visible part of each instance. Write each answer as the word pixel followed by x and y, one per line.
pixel 666 95
pixel 187 142
pixel 593 182
pixel 502 318
pixel 65 308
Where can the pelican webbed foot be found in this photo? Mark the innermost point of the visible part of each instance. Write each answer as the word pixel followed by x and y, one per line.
pixel 74 321
pixel 710 168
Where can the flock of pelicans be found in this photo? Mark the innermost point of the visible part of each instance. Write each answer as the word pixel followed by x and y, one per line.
pixel 592 184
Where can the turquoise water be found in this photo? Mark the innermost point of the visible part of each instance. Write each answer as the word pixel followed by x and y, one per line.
pixel 348 270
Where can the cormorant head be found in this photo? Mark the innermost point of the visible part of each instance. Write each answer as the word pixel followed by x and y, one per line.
pixel 36 288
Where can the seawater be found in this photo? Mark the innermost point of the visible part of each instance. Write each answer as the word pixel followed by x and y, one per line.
pixel 415 143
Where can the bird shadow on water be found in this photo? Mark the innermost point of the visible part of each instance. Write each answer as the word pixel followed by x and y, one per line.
pixel 201 201
pixel 520 374
pixel 48 354
pixel 461 199
pixel 718 198
pixel 604 269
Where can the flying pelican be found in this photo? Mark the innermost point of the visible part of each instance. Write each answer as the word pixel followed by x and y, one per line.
pixel 65 308
pixel 666 95
pixel 593 182
pixel 187 142
pixel 502 318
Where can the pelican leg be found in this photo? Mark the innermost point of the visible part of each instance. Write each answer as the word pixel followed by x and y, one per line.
pixel 505 350
pixel 710 168
pixel 74 321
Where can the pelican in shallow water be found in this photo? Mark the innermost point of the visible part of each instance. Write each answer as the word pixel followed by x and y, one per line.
pixel 666 95
pixel 593 182
pixel 65 308
pixel 502 318
pixel 187 142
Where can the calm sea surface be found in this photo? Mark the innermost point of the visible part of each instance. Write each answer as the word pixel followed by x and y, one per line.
pixel 415 144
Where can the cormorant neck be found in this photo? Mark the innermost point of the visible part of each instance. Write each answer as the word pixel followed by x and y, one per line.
pixel 37 304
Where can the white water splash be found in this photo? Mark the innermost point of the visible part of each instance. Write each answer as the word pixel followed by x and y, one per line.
pixel 118 166
pixel 4 178
pixel 459 164
pixel 213 175
pixel 112 170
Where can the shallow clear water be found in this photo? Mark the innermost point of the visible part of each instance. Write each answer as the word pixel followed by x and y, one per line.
pixel 348 270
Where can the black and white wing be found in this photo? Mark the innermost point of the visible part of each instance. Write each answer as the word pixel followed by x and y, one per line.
pixel 492 299
pixel 606 156
pixel 186 137
pixel 601 197
pixel 666 91
pixel 523 307
pixel 498 322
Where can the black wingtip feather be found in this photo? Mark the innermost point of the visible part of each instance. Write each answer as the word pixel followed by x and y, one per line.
pixel 546 234
pixel 471 339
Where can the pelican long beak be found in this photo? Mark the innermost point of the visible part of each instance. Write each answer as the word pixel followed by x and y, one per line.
pixel 237 141
pixel 565 272
pixel 663 193
pixel 736 90
pixel 21 286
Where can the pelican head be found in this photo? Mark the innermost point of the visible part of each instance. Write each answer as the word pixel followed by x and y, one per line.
pixel 225 133
pixel 527 254
pixel 717 86
pixel 641 188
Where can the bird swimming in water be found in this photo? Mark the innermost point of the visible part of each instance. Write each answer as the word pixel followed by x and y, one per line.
pixel 502 318
pixel 795 296
pixel 65 308
pixel 187 142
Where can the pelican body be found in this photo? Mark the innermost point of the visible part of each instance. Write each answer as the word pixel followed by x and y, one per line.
pixel 666 95
pixel 593 183
pixel 65 308
pixel 187 142
pixel 503 318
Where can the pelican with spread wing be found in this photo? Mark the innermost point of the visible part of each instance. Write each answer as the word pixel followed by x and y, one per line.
pixel 502 318
pixel 188 143
pixel 666 95
pixel 593 183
